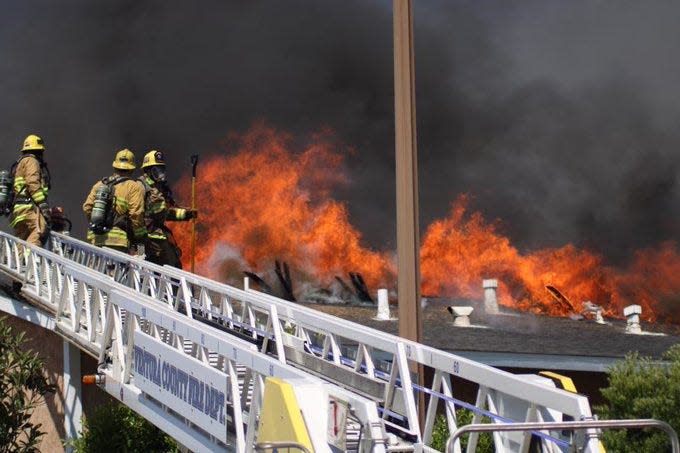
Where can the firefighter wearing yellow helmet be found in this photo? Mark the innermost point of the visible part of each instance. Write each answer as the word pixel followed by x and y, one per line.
pixel 160 245
pixel 31 213
pixel 115 207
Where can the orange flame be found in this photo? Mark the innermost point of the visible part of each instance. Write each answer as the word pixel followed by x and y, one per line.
pixel 458 252
pixel 267 201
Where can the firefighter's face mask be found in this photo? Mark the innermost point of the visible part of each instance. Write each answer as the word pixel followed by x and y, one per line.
pixel 157 173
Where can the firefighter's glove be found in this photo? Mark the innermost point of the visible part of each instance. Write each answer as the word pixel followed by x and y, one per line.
pixel 46 212
pixel 191 214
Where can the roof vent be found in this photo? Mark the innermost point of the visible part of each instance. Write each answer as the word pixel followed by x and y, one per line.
pixel 595 310
pixel 461 315
pixel 632 314
pixel 383 307
pixel 490 300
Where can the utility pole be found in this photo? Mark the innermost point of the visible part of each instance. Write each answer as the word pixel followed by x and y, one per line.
pixel 408 235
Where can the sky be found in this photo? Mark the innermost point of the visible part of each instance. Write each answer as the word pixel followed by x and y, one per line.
pixel 560 118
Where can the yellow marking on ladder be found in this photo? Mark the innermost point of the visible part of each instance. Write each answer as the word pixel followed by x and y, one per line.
pixel 281 418
pixel 562 382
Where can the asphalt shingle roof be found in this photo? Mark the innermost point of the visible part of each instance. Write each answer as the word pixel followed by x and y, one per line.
pixel 523 333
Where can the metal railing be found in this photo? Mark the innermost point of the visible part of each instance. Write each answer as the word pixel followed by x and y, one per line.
pixel 340 351
pixel 574 426
pixel 264 446
pixel 107 319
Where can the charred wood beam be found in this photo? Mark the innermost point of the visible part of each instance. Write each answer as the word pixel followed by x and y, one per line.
pixel 360 286
pixel 283 274
pixel 344 285
pixel 561 298
pixel 346 290
pixel 261 283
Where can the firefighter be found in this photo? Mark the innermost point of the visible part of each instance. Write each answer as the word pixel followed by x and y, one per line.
pixel 31 213
pixel 117 221
pixel 160 245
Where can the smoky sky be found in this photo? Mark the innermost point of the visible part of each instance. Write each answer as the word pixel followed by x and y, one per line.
pixel 560 118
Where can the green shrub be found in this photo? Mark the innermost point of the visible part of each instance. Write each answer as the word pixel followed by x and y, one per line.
pixel 116 428
pixel 440 433
pixel 641 388
pixel 23 384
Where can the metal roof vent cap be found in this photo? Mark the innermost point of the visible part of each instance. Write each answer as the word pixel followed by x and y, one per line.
pixel 594 309
pixel 461 315
pixel 383 307
pixel 490 299
pixel 632 314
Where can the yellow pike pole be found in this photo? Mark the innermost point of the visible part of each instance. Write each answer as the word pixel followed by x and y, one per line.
pixel 194 162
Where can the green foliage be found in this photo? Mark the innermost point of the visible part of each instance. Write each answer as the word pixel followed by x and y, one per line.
pixel 640 388
pixel 440 433
pixel 116 428
pixel 23 384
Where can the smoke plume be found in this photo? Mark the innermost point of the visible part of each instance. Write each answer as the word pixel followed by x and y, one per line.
pixel 558 118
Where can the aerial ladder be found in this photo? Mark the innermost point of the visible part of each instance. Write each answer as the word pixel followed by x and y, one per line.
pixel 226 369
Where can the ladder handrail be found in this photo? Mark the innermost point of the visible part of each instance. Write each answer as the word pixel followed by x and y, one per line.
pixel 568 403
pixel 572 425
pixel 243 308
pixel 261 446
pixel 89 307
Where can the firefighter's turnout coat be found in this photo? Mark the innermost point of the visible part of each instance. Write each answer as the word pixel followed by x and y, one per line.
pixel 128 219
pixel 160 246
pixel 31 186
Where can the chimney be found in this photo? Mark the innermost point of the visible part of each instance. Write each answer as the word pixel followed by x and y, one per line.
pixel 490 301
pixel 383 306
pixel 246 283
pixel 632 314
pixel 461 315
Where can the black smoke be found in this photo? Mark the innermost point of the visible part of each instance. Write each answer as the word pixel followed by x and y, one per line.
pixel 560 118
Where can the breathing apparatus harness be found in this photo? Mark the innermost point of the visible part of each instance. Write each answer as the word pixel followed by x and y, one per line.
pixel 7 196
pixel 103 217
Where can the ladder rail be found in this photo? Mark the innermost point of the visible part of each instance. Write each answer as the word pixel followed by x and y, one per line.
pixel 319 322
pixel 354 372
pixel 573 425
pixel 277 446
pixel 76 298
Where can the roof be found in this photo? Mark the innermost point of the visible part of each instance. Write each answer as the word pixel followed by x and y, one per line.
pixel 525 340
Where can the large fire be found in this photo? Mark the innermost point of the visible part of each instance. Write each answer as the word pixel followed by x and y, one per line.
pixel 459 251
pixel 264 203
pixel 264 200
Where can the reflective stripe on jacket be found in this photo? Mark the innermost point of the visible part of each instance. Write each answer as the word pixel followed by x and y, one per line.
pixel 157 210
pixel 128 214
pixel 30 187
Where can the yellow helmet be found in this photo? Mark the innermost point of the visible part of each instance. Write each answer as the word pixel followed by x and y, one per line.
pixel 152 158
pixel 125 160
pixel 33 143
